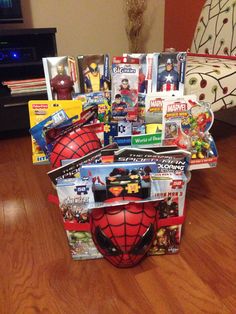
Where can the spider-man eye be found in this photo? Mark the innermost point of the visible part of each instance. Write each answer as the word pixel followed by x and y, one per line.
pixel 105 243
pixel 144 242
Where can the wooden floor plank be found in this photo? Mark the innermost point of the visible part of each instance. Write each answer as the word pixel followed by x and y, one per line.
pixel 37 274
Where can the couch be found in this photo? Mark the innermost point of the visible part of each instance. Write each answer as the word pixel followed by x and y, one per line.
pixel 211 62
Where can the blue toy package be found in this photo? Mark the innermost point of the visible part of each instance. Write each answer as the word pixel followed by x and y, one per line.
pixel 59 118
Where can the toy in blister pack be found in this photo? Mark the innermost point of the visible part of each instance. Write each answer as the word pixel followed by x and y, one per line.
pixel 175 109
pixel 147 70
pixel 61 77
pixel 202 146
pixel 94 73
pixel 44 115
pixel 153 108
pixel 170 73
pixel 124 96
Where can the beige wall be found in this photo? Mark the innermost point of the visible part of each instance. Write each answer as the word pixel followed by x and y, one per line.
pixel 92 26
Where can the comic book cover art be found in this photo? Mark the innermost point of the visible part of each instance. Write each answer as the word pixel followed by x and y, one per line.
pixel 170 73
pixel 175 109
pixel 153 108
pixel 118 182
pixel 170 186
pixel 167 240
pixel 196 126
pixel 124 96
pixel 72 194
pixel 168 207
pixel 82 246
pixel 94 73
pixel 61 77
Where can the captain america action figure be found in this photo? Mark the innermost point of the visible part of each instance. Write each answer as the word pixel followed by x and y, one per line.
pixel 168 80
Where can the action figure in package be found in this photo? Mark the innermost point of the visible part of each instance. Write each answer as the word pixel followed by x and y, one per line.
pixel 170 73
pixel 125 76
pixel 94 73
pixel 147 70
pixel 61 77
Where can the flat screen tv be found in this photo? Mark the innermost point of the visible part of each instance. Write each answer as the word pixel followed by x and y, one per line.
pixel 10 11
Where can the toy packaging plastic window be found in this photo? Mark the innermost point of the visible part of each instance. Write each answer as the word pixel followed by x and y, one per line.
pixel 125 84
pixel 61 77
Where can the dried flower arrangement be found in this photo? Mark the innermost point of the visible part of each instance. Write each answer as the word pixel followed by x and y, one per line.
pixel 134 11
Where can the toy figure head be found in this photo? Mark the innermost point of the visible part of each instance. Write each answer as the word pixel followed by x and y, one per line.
pixel 93 68
pixel 60 69
pixel 125 84
pixel 169 64
pixel 118 98
pixel 123 234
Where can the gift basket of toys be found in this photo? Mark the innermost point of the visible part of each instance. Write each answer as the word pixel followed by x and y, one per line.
pixel 121 139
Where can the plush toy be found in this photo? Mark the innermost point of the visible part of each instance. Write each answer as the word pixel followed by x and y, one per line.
pixel 74 144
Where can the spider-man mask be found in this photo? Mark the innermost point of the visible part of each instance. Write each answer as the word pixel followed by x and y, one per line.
pixel 123 234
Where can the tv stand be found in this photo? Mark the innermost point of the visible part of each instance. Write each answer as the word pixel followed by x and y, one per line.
pixel 21 53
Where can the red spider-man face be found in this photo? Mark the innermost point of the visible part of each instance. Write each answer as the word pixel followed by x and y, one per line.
pixel 123 234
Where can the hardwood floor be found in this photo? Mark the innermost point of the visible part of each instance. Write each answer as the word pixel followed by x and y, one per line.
pixel 37 274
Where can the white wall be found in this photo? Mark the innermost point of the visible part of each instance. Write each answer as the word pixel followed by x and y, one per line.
pixel 92 26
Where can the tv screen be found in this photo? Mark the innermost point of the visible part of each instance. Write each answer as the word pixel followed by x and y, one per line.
pixel 10 11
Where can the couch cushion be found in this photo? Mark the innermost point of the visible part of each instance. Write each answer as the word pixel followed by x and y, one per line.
pixel 215 32
pixel 212 79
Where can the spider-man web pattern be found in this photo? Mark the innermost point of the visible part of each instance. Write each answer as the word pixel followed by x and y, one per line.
pixel 123 234
pixel 74 145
